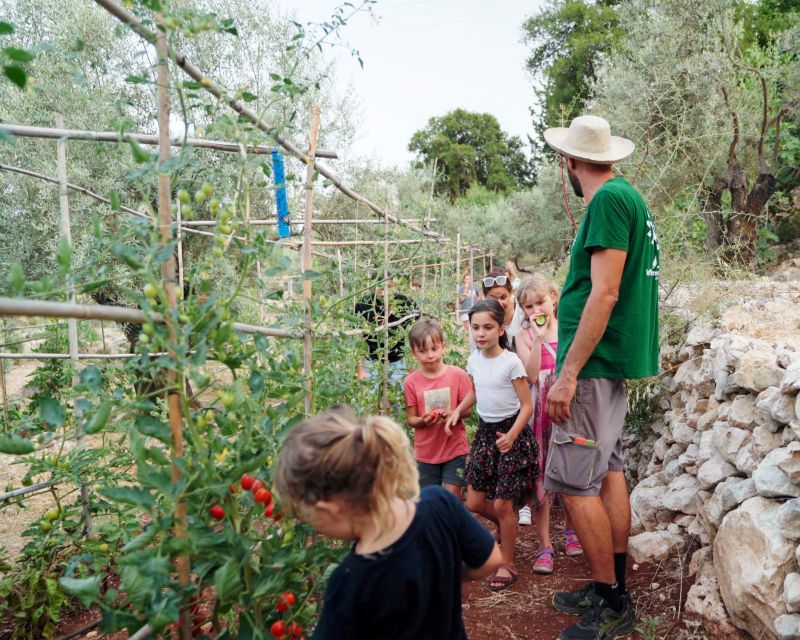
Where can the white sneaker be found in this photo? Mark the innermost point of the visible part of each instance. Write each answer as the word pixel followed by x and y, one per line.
pixel 525 515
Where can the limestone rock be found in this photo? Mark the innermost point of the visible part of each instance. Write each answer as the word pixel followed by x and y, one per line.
pixel 765 441
pixel 757 370
pixel 683 378
pixel 791 378
pixel 674 452
pixel 700 558
pixel 764 403
pixel 701 334
pixel 672 471
pixel 791 592
pixel 681 494
pixel 714 471
pixel 704 602
pixel 697 529
pixel 783 409
pixel 654 546
pixel 688 457
pixel 705 448
pixel 709 417
pixel 773 476
pixel 751 559
pixel 728 440
pixel 747 460
pixel 646 502
pixel 734 491
pixel 703 375
pixel 787 627
pixel 743 412
pixel 661 448
pixel 789 519
pixel 682 433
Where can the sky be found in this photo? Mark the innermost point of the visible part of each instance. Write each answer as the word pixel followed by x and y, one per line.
pixel 423 58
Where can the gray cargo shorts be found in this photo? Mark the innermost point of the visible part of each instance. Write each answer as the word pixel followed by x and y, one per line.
pixel 588 445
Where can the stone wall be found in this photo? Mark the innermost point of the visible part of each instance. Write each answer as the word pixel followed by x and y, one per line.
pixel 723 467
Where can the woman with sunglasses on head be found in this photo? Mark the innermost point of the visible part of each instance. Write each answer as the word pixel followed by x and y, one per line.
pixel 497 285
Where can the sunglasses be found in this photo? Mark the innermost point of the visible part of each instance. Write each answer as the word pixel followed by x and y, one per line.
pixel 500 281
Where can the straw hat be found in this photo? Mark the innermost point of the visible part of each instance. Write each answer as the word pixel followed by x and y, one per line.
pixel 589 138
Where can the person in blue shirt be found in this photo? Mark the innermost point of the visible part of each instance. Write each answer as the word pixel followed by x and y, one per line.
pixel 356 480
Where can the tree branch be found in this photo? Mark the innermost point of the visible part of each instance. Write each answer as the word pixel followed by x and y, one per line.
pixel 732 160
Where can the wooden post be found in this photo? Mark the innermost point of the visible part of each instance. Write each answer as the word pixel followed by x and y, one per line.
pixel 386 317
pixel 168 280
pixel 305 260
pixel 483 258
pixel 427 226
pixel 472 264
pixel 72 324
pixel 103 336
pixel 341 275
pixel 3 377
pixel 491 261
pixel 458 271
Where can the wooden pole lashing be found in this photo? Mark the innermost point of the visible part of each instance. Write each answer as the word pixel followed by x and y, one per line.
pixel 168 281
pixel 72 323
pixel 305 260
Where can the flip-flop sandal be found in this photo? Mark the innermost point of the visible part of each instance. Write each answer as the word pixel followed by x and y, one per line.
pixel 501 583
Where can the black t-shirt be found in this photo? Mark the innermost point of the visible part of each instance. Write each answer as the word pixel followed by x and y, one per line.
pixel 412 589
pixel 371 308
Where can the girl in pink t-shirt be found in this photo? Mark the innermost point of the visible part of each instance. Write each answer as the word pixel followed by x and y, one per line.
pixel 432 392
pixel 537 345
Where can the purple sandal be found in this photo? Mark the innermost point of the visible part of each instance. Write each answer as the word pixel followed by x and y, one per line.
pixel 544 561
pixel 574 546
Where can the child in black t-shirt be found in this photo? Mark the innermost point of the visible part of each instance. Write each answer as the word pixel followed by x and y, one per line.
pixel 357 480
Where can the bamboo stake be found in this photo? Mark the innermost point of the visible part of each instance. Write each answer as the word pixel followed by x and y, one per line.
pixel 3 380
pixel 386 317
pixel 273 222
pixel 103 336
pixel 427 227
pixel 25 131
pixel 358 243
pixel 472 264
pixel 221 94
pixel 72 324
pixel 458 271
pixel 341 276
pixel 44 309
pixel 168 279
pixel 491 261
pixel 305 261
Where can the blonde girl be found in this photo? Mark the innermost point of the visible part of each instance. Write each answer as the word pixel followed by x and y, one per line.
pixel 356 480
pixel 503 457
pixel 537 345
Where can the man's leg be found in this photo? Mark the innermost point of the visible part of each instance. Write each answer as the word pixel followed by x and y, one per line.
pixel 614 493
pixel 593 525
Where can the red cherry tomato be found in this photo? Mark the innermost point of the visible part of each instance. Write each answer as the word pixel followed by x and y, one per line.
pixel 217 512
pixel 268 510
pixel 288 597
pixel 278 629
pixel 257 484
pixel 295 629
pixel 282 607
pixel 247 482
pixel 263 496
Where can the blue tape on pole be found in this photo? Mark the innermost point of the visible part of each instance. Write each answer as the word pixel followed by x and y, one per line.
pixel 284 230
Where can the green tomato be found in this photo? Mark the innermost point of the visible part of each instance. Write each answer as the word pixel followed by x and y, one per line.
pixel 183 196
pixel 228 399
pixel 184 319
pixel 214 205
pixel 187 213
pixel 219 252
pixel 148 328
pixel 144 339
pixel 207 189
pixel 103 548
pixel 225 228
pixel 52 514
pixel 45 526
pixel 200 197
pixel 149 291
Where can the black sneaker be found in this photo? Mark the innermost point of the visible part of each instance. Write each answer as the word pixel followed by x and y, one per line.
pixel 603 623
pixel 577 602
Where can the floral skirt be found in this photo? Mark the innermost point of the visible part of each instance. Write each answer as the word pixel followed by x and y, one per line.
pixel 503 476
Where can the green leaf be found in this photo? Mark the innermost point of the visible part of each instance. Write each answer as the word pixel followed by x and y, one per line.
pixel 85 589
pixel 311 275
pixel 154 428
pixel 256 384
pixel 127 254
pixel 141 540
pixel 91 377
pixel 16 278
pixel 100 418
pixel 115 204
pixel 15 445
pixel 64 255
pixel 18 55
pixel 51 412
pixel 5 28
pixel 130 495
pixel 140 156
pixel 249 97
pixel 16 74
pixel 227 581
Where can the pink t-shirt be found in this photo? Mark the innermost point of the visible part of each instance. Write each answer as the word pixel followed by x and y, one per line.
pixel 432 444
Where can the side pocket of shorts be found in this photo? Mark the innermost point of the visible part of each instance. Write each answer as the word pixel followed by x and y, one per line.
pixel 571 464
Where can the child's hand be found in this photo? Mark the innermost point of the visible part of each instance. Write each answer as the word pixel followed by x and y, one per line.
pixel 505 441
pixel 539 324
pixel 451 421
pixel 429 418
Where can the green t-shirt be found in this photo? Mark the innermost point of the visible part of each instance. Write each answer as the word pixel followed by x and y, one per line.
pixel 616 218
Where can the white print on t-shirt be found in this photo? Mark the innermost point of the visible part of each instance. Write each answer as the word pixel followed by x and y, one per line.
pixel 653 270
pixel 437 399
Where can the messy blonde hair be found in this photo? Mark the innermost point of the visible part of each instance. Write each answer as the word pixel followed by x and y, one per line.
pixel 367 463
pixel 537 283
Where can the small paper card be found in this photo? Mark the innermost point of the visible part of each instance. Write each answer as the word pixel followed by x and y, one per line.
pixel 437 399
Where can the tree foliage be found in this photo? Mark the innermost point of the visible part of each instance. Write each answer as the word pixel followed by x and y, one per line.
pixel 471 149
pixel 568 40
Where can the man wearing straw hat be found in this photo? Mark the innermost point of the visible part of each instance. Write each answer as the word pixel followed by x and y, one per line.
pixel 608 332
